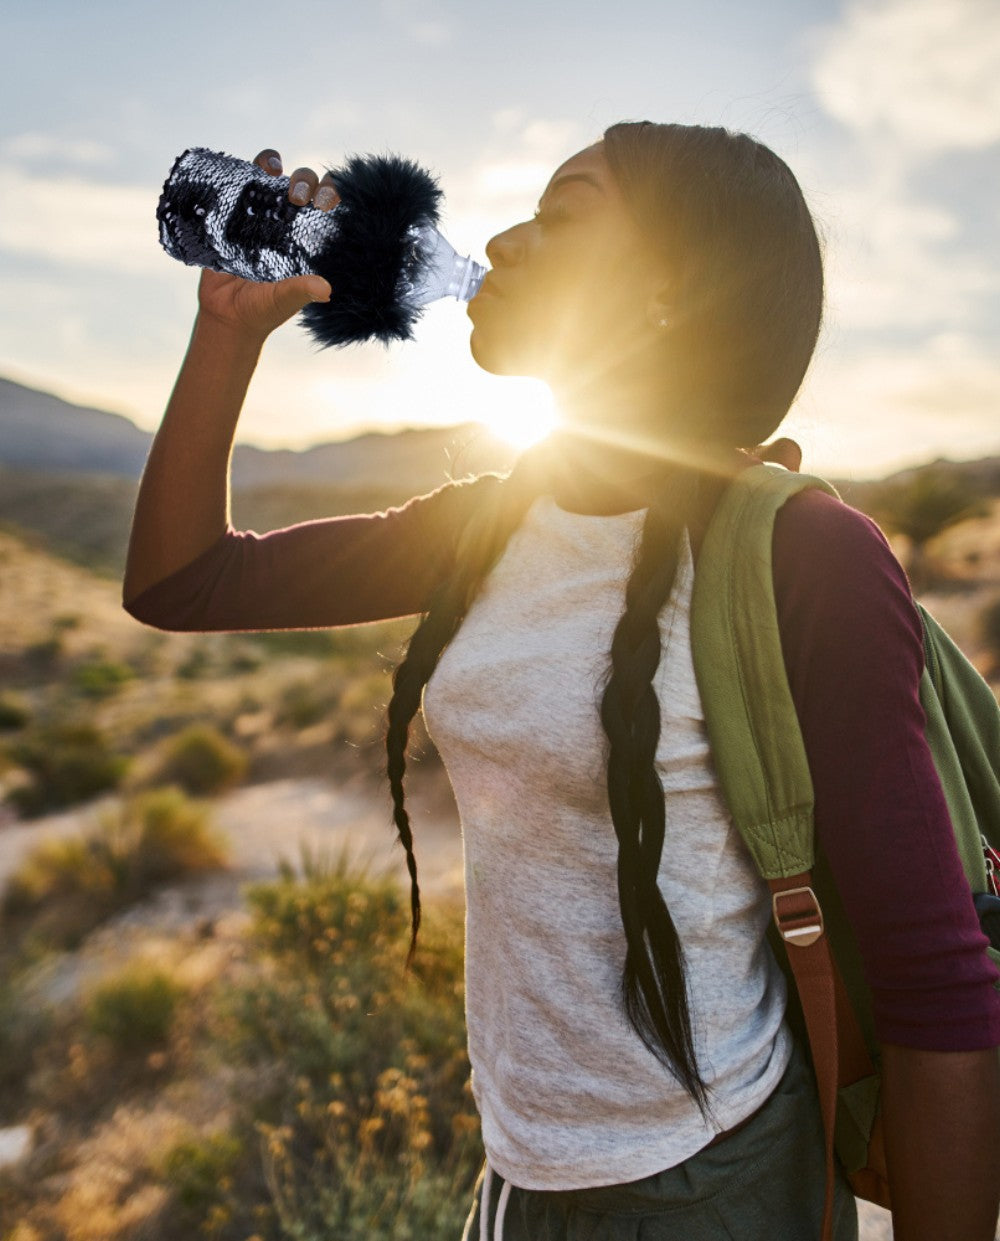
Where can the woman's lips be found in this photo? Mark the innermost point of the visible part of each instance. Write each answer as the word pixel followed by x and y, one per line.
pixel 488 292
pixel 487 289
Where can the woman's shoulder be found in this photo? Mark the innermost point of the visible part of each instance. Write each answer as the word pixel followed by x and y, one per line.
pixel 820 539
pixel 835 572
pixel 442 514
pixel 814 521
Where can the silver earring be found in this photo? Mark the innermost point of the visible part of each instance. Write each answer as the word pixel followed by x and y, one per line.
pixel 663 322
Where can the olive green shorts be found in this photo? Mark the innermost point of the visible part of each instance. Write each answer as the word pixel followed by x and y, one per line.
pixel 765 1182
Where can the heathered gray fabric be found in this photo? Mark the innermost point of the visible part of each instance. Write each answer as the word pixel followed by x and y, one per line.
pixel 568 1094
pixel 766 1182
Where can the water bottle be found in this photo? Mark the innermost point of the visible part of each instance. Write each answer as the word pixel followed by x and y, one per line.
pixel 444 272
pixel 379 248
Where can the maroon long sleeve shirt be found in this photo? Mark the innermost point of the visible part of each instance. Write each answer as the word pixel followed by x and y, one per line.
pixel 854 654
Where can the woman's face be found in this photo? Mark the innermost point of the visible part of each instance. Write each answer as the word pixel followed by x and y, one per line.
pixel 570 292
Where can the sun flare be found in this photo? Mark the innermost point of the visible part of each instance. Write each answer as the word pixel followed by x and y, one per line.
pixel 522 413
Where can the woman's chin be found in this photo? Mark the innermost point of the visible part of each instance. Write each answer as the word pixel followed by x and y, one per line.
pixel 496 358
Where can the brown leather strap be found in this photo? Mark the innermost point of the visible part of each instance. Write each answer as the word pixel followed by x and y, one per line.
pixel 800 923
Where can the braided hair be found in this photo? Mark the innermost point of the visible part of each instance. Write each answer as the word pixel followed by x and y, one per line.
pixel 480 545
pixel 730 219
pixel 653 986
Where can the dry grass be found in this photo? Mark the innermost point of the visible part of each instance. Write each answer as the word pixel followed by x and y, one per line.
pixel 67 886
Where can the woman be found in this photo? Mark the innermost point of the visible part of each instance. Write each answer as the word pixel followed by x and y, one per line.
pixel 631 1063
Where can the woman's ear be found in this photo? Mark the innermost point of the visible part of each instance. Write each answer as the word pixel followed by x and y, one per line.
pixel 782 451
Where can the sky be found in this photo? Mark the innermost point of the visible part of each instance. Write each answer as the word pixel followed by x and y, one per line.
pixel 888 111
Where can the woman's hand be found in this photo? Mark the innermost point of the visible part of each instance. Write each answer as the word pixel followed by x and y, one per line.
pixel 255 309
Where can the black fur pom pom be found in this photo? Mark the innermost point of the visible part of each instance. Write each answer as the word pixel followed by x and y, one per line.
pixel 373 259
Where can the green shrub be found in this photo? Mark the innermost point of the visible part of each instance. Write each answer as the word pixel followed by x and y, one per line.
pixel 197 664
pixel 67 886
pixel 135 1009
pixel 303 703
pixel 244 656
pixel 200 1172
pixel 921 505
pixel 316 642
pixel 24 1026
pixel 43 656
pixel 167 835
pixel 362 1101
pixel 101 678
pixel 14 711
pixel 68 762
pixel 202 761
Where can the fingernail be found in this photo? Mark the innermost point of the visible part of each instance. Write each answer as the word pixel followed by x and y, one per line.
pixel 274 163
pixel 300 193
pixel 324 198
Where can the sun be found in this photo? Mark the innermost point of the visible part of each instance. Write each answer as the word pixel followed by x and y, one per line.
pixel 520 412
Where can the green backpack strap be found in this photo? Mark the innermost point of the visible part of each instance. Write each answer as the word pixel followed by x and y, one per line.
pixel 963 731
pixel 755 738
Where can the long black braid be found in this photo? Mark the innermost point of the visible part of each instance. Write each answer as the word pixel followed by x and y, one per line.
pixel 653 986
pixel 497 514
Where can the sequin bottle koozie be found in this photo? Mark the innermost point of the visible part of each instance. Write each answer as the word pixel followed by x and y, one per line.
pixel 379 248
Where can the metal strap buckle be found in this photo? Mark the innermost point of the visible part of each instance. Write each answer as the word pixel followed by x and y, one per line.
pixel 802 924
pixel 992 859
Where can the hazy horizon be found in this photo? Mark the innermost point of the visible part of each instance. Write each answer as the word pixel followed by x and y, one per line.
pixel 887 111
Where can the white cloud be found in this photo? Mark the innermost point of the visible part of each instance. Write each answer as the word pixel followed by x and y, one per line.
pixel 925 73
pixel 431 33
pixel 551 139
pixel 909 80
pixel 883 409
pixel 518 179
pixel 34 145
pixel 888 264
pixel 507 120
pixel 426 22
pixel 81 223
pixel 514 168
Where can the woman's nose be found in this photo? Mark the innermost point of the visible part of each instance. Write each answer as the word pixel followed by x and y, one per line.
pixel 505 248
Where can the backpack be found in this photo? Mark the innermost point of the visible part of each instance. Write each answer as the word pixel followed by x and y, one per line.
pixel 764 776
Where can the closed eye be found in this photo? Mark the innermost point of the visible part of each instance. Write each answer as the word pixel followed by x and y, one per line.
pixel 551 215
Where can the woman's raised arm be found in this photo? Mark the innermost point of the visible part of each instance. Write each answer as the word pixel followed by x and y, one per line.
pixel 183 502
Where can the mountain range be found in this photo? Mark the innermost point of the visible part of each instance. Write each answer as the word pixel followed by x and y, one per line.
pixel 41 432
pixel 69 474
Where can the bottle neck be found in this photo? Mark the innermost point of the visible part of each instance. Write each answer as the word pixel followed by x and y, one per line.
pixel 443 272
pixel 466 278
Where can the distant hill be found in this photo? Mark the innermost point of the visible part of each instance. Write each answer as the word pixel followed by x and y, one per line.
pixel 69 473
pixel 981 477
pixel 41 432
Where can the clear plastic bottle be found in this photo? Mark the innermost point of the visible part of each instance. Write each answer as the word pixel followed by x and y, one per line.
pixel 446 273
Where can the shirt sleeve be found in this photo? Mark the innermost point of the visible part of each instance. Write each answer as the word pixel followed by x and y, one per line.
pixel 853 650
pixel 317 574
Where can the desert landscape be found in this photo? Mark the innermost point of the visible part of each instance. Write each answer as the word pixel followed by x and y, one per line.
pixel 205 1024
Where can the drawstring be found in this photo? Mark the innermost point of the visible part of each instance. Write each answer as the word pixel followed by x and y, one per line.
pixel 484 1207
pixel 501 1212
